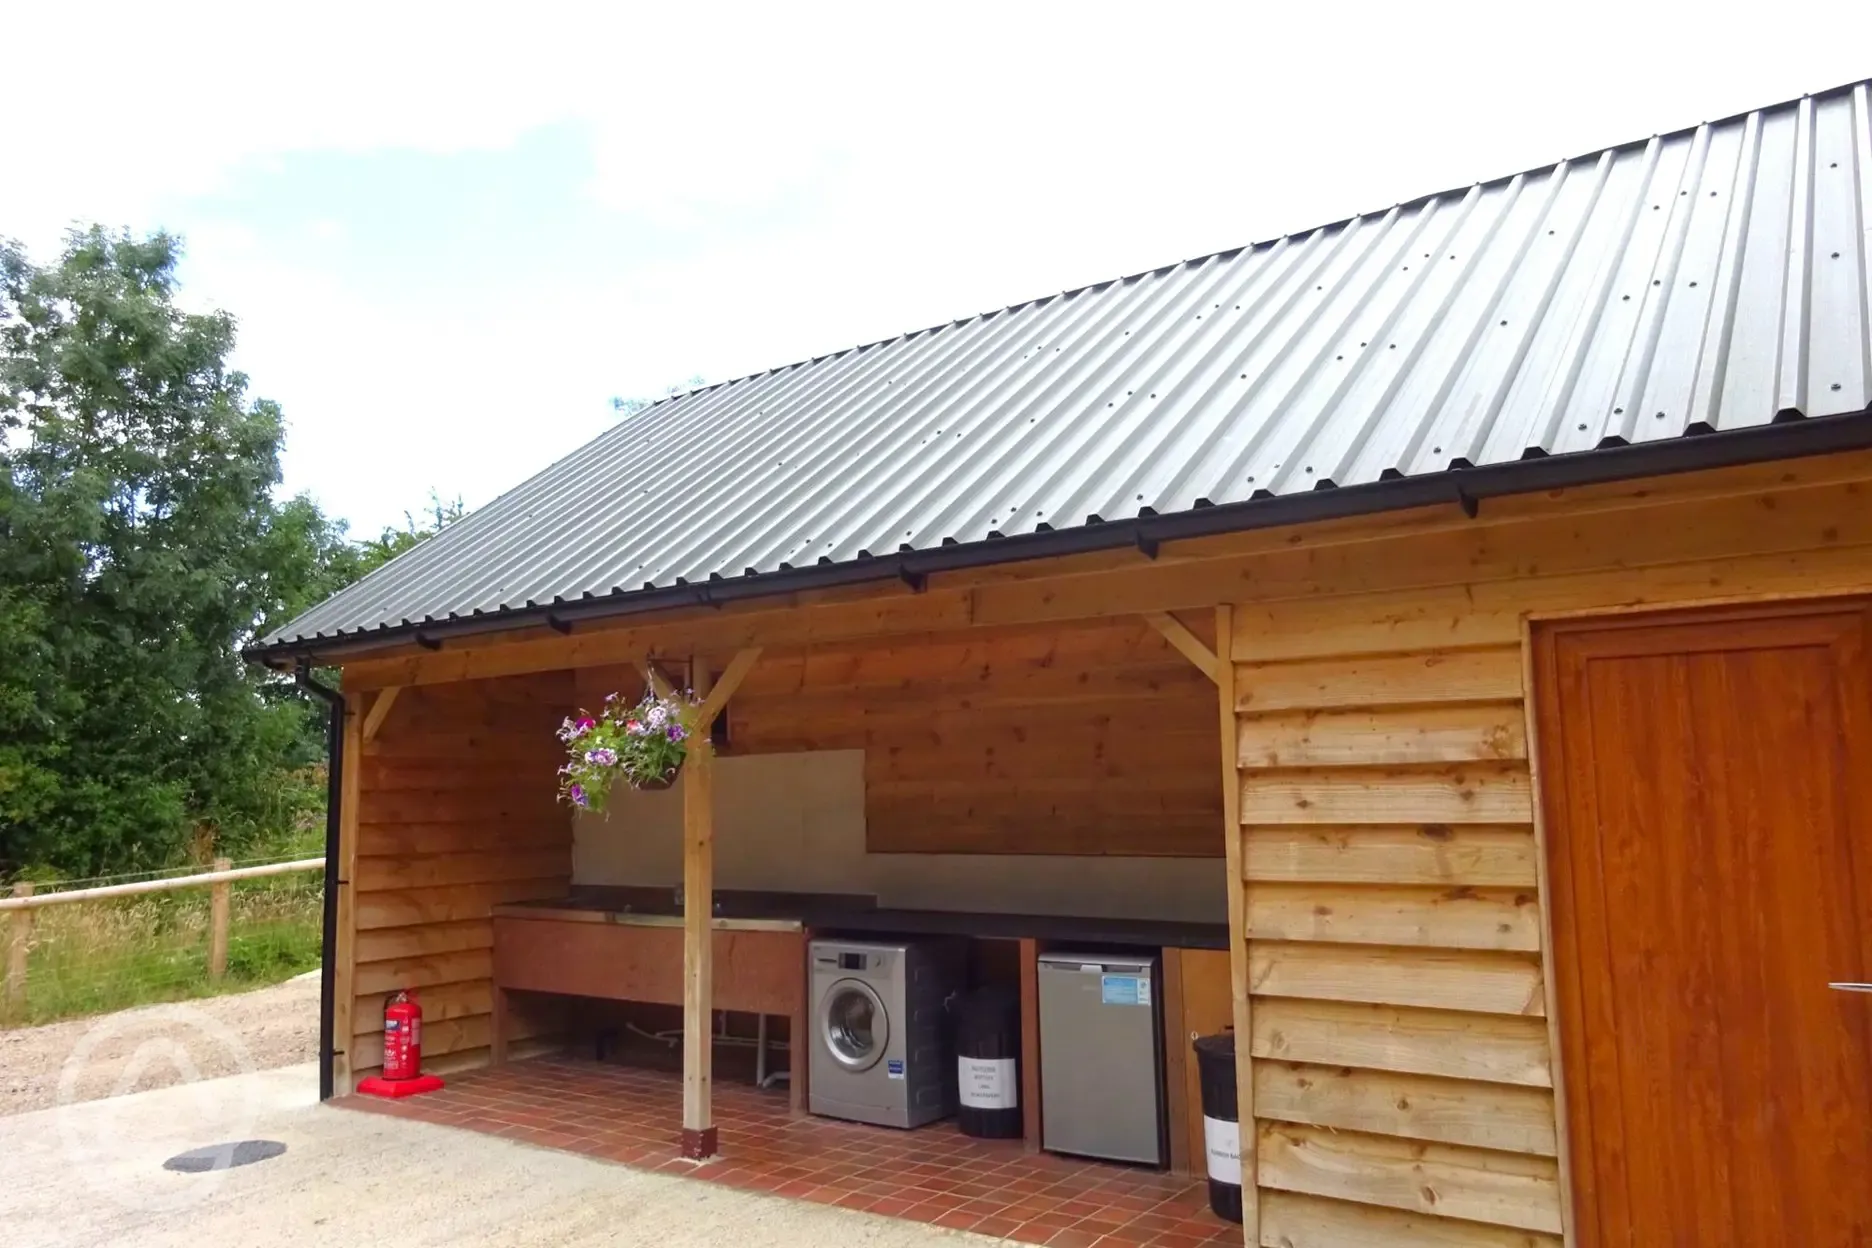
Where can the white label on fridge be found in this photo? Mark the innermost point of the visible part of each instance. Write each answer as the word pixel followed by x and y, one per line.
pixel 1222 1141
pixel 987 1082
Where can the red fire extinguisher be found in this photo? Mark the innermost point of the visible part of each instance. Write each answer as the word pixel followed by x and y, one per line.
pixel 402 1037
pixel 402 1052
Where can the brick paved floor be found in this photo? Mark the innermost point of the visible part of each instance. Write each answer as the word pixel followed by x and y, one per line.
pixel 935 1174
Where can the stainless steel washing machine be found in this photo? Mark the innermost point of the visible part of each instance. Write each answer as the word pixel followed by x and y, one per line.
pixel 881 1042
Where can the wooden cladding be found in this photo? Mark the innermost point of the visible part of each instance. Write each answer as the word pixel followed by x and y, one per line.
pixel 1403 1076
pixel 456 813
pixel 1093 739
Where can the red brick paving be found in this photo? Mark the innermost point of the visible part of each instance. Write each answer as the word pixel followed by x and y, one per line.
pixel 936 1174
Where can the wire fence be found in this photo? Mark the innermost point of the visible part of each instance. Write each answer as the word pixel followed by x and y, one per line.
pixel 189 937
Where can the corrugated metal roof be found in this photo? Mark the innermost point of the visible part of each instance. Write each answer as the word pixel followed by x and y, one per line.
pixel 1702 281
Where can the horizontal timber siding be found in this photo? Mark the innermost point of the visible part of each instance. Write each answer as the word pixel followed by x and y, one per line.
pixel 1093 738
pixel 1405 1088
pixel 457 812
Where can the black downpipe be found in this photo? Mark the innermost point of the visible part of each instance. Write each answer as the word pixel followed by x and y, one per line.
pixel 334 789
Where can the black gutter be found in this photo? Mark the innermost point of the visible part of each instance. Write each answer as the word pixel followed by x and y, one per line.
pixel 1790 436
pixel 334 789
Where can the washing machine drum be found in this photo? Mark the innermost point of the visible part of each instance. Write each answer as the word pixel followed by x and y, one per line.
pixel 854 1025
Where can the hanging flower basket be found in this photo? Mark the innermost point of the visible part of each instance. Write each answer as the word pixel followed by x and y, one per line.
pixel 642 744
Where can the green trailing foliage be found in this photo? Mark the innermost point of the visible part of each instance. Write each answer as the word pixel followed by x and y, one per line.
pixel 141 546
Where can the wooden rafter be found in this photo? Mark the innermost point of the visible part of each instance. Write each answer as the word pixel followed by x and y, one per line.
pixel 1188 643
pixel 380 711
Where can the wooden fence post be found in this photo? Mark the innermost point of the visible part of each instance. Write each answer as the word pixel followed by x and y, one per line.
pixel 19 943
pixel 220 896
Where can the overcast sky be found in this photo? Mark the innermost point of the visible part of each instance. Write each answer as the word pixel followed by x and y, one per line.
pixel 450 234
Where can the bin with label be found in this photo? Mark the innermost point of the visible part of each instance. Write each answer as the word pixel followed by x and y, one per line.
pixel 1215 1062
pixel 988 1064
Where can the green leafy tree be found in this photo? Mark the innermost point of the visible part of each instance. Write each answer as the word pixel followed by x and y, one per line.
pixel 140 547
pixel 631 406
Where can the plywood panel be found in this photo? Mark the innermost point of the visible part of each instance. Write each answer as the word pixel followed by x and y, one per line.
pixel 1396 735
pixel 1447 854
pixel 1445 1111
pixel 1493 1048
pixel 759 972
pixel 1440 918
pixel 1435 676
pixel 1465 793
pixel 1499 983
pixel 1503 1189
pixel 1291 1220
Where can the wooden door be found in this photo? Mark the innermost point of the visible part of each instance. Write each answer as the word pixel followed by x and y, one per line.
pixel 1708 795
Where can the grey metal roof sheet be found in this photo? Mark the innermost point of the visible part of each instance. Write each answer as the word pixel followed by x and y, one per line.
pixel 1702 281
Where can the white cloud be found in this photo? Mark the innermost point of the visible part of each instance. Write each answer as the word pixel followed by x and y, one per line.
pixel 853 170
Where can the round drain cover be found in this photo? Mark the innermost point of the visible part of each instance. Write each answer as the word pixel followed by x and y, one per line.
pixel 224 1156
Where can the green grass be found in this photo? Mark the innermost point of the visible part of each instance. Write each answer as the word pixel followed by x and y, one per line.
pixel 99 956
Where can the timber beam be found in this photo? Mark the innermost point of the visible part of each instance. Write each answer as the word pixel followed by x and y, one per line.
pixel 699 1140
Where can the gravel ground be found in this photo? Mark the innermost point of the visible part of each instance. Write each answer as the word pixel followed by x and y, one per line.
pixel 158 1046
pixel 91 1174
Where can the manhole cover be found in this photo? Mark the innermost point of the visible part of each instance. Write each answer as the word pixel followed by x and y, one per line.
pixel 224 1156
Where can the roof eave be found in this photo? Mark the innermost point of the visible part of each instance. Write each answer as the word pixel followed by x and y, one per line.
pixel 1790 436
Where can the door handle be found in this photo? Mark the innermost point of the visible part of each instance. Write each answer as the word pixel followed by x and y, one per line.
pixel 1844 987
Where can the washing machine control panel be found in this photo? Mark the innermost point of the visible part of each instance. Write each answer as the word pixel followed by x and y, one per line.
pixel 852 959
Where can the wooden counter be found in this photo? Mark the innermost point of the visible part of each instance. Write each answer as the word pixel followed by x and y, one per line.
pixel 759 966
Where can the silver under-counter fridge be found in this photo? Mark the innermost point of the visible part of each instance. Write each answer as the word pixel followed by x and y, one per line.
pixel 1101 1056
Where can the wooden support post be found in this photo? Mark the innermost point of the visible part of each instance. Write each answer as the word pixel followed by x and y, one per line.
pixel 220 901
pixel 1030 1042
pixel 1177 1057
pixel 19 944
pixel 799 1027
pixel 497 1027
pixel 698 1124
pixel 1238 926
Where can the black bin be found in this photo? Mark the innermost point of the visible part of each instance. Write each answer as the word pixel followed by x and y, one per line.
pixel 1215 1062
pixel 988 1064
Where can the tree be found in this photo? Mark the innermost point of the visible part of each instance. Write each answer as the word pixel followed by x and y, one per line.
pixel 373 553
pixel 631 406
pixel 140 548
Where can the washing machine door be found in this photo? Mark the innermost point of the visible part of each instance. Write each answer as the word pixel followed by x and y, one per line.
pixel 853 1025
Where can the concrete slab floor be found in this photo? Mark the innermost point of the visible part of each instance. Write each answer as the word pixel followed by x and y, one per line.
pixel 91 1173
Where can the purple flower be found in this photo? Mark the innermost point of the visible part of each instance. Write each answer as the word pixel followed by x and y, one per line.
pixel 577 794
pixel 676 732
pixel 602 756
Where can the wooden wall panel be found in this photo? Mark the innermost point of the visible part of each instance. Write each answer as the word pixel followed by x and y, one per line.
pixel 1443 1181
pixel 1394 926
pixel 1091 738
pixel 1404 1074
pixel 456 814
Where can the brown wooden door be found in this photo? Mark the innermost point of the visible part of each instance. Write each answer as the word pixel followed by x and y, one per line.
pixel 1708 795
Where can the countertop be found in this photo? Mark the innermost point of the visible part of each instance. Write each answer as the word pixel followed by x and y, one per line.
pixel 833 913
